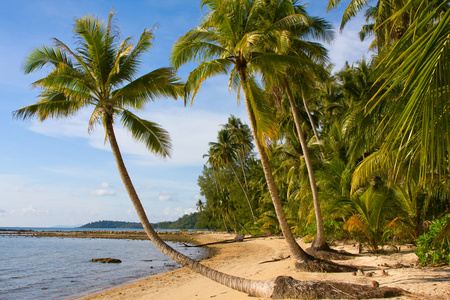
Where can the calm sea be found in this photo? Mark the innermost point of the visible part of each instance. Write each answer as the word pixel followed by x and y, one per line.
pixel 60 268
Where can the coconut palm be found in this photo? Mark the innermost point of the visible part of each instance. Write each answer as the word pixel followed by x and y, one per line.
pixel 227 42
pixel 101 73
pixel 419 63
pixel 294 41
pixel 224 153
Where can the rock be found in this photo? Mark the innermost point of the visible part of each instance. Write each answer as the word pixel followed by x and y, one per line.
pixel 375 284
pixel 369 274
pixel 384 273
pixel 107 260
pixel 360 272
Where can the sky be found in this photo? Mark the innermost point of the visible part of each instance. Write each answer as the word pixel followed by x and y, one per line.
pixel 54 173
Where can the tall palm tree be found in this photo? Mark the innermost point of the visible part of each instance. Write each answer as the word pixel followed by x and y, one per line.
pixel 232 39
pixel 242 136
pixel 294 40
pixel 227 41
pixel 101 73
pixel 224 153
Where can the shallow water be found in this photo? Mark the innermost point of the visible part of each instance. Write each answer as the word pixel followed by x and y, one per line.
pixel 60 268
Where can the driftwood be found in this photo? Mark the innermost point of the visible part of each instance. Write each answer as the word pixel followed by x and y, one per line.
pixel 274 260
pixel 288 288
pixel 238 238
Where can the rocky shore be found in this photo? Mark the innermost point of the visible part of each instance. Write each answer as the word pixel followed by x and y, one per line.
pixel 173 236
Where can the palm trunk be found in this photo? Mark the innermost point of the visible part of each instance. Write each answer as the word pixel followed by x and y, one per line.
pixel 320 242
pixel 253 287
pixel 313 125
pixel 298 253
pixel 245 193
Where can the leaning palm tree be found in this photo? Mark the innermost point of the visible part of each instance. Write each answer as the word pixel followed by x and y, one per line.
pixel 232 39
pixel 101 72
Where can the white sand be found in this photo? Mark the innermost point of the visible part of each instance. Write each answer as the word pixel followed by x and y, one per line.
pixel 244 260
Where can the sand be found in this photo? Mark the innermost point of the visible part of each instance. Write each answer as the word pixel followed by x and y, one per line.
pixel 245 259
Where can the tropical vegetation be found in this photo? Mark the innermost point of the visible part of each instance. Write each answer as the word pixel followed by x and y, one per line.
pixel 359 153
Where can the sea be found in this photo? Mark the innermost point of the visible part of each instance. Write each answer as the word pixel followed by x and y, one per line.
pixel 60 268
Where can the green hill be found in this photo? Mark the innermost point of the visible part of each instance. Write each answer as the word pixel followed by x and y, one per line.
pixel 185 222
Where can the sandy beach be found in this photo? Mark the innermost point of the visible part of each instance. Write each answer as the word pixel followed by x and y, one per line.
pixel 246 259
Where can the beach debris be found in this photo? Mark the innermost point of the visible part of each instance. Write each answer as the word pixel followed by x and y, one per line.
pixel 275 259
pixel 107 260
pixel 369 274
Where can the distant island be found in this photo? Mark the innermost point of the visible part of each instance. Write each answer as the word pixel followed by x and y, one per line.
pixel 185 222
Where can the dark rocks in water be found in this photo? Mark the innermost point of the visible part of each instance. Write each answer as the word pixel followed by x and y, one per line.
pixel 107 260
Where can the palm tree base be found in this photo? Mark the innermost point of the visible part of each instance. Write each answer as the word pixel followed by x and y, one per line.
pixel 288 288
pixel 323 266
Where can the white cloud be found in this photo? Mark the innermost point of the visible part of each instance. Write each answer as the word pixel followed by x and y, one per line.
pixel 190 130
pixel 104 190
pixel 167 196
pixel 175 213
pixel 347 46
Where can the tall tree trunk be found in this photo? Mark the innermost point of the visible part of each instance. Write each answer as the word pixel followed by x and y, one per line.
pixel 320 242
pixel 253 287
pixel 313 125
pixel 298 253
pixel 245 193
pixel 280 288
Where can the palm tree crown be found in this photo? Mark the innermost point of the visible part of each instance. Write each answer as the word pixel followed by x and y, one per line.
pixel 101 72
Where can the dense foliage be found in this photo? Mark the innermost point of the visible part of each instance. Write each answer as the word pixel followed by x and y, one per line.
pixel 433 247
pixel 377 138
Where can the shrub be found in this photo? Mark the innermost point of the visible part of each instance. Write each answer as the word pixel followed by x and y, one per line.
pixel 433 247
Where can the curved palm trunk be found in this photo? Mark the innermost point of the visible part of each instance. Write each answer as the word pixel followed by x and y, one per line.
pixel 245 192
pixel 320 242
pixel 298 253
pixel 253 287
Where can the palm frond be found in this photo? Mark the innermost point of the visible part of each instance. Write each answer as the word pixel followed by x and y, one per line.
pixel 158 83
pixel 39 57
pixel 154 137
pixel 204 71
pixel 52 104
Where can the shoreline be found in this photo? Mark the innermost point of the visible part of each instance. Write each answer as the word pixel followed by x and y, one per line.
pixel 260 258
pixel 249 259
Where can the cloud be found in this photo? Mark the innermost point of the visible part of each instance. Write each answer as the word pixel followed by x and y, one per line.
pixel 3 212
pixel 104 190
pixel 347 46
pixel 190 129
pixel 175 213
pixel 167 196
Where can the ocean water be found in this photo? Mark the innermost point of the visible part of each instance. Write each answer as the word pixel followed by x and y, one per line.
pixel 60 268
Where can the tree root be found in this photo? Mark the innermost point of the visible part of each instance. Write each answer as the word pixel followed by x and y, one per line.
pixel 330 254
pixel 288 288
pixel 318 265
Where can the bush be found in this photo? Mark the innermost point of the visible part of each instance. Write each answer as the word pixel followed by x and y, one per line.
pixel 332 229
pixel 433 247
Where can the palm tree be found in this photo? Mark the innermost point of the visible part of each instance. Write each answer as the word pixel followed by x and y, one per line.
pixel 233 39
pixel 293 41
pixel 227 41
pixel 242 137
pixel 224 153
pixel 418 63
pixel 101 73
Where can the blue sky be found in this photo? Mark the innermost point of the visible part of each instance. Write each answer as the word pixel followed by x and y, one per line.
pixel 55 173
